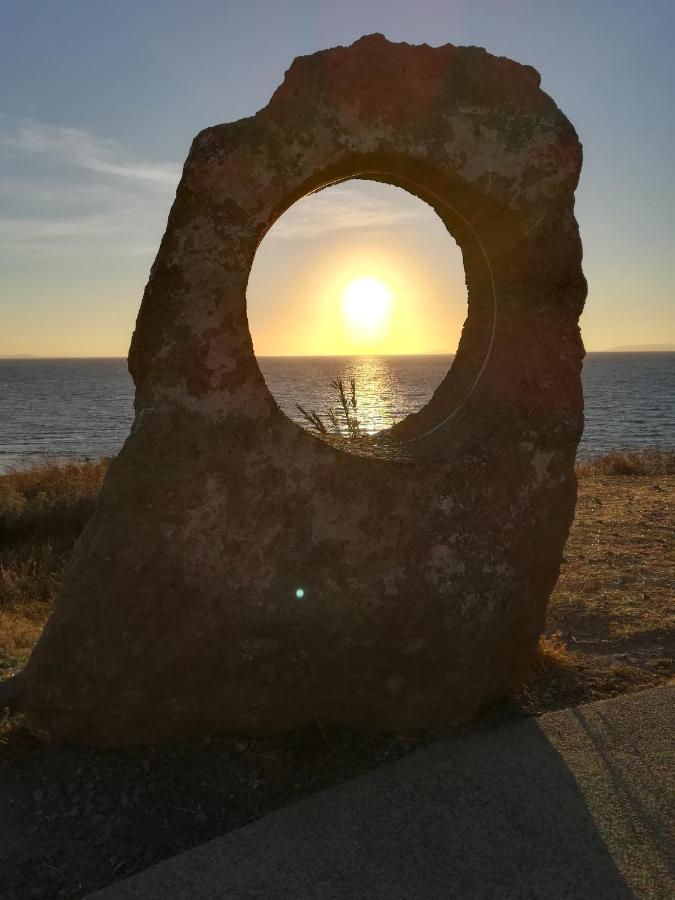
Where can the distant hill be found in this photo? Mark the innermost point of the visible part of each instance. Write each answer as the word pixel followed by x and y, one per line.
pixel 642 348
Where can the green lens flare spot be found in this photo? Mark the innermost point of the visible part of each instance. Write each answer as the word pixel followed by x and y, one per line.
pixel 300 593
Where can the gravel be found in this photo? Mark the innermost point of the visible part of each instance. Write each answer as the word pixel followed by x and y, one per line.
pixel 76 819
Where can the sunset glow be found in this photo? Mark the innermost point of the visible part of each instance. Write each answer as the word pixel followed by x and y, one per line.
pixel 360 268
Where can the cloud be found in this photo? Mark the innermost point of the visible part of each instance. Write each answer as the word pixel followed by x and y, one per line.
pixel 345 207
pixel 68 189
pixel 83 149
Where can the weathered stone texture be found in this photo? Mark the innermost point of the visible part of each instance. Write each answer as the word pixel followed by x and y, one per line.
pixel 426 557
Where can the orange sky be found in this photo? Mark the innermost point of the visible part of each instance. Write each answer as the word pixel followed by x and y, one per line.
pixel 330 240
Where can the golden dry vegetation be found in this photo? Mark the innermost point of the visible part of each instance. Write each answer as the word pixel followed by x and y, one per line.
pixel 42 511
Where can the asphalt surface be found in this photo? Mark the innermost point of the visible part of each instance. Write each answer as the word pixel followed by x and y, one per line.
pixel 575 804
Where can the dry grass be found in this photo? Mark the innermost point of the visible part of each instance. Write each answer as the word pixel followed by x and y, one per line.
pixel 611 620
pixel 629 462
pixel 42 511
pixel 46 501
pixel 555 676
pixel 29 579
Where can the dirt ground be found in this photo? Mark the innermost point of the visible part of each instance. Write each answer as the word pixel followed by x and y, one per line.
pixel 611 618
pixel 73 819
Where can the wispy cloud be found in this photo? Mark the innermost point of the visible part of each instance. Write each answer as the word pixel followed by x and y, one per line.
pixel 343 207
pixel 67 188
pixel 81 148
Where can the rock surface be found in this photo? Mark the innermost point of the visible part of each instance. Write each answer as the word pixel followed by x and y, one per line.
pixel 427 556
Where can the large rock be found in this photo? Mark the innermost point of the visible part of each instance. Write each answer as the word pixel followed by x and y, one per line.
pixel 427 556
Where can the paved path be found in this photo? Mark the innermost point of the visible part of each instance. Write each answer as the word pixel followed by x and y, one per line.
pixel 576 804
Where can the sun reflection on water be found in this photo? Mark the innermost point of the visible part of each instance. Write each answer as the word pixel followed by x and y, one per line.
pixel 388 387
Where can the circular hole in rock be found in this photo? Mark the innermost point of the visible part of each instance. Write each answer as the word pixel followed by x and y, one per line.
pixel 358 281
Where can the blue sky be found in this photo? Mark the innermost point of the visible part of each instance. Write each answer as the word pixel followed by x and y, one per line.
pixel 99 103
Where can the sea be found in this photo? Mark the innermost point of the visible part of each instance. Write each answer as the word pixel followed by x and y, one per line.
pixel 60 409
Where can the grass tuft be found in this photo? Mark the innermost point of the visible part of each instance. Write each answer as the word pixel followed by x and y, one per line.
pixel 553 655
pixel 554 679
pixel 344 419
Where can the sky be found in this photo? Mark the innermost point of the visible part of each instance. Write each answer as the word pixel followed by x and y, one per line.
pixel 99 103
pixel 326 245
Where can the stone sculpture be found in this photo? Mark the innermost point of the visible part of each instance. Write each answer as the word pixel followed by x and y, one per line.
pixel 426 556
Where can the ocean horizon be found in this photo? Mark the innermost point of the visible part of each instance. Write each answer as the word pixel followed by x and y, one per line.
pixel 60 408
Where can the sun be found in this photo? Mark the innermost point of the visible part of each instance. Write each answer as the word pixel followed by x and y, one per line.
pixel 366 305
